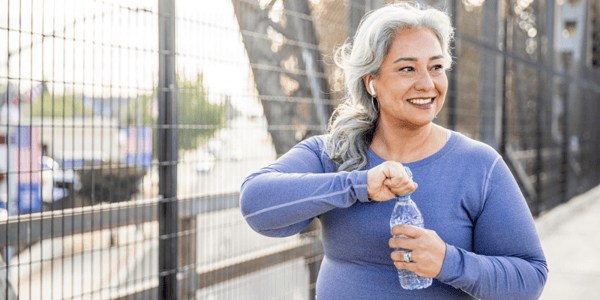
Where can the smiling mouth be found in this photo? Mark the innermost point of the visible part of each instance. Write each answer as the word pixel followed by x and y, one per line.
pixel 421 102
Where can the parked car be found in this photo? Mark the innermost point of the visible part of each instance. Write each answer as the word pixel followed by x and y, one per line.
pixel 214 146
pixel 56 182
pixel 205 161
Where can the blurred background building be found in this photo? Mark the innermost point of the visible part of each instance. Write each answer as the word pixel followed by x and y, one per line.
pixel 127 128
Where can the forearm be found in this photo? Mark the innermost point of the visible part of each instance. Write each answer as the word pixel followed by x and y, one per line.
pixel 493 277
pixel 282 204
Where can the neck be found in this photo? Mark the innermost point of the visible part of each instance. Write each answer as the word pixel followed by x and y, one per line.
pixel 404 144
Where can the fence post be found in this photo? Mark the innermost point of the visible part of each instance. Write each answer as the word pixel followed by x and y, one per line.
pixel 545 96
pixel 571 81
pixel 167 152
pixel 452 93
pixel 505 48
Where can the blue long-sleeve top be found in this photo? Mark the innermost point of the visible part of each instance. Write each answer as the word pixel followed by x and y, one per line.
pixel 466 194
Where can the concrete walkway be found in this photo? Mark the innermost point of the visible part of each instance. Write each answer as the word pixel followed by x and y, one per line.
pixel 570 235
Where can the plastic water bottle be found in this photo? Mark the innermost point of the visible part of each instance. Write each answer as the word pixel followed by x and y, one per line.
pixel 406 212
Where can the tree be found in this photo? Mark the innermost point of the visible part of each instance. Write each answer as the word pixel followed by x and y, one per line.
pixel 59 106
pixel 201 119
pixel 198 118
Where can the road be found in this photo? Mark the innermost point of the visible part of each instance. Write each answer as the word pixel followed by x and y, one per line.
pixel 226 232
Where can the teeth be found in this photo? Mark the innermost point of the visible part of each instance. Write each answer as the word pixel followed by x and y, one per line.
pixel 420 101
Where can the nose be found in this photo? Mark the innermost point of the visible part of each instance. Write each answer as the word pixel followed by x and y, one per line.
pixel 424 82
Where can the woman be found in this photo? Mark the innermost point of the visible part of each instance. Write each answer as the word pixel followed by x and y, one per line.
pixel 479 239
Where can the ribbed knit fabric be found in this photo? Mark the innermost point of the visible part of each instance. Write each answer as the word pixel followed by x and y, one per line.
pixel 466 194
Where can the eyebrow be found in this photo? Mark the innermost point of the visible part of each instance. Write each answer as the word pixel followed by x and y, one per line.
pixel 414 59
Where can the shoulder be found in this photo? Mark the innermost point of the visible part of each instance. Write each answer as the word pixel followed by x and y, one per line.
pixel 318 145
pixel 474 161
pixel 315 143
pixel 477 169
pixel 474 150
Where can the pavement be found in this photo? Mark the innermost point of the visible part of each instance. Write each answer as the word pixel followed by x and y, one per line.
pixel 570 236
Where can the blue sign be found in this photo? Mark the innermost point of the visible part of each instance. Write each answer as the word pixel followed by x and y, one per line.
pixel 138 150
pixel 30 199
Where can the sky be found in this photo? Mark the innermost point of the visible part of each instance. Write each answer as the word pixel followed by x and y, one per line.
pixel 109 48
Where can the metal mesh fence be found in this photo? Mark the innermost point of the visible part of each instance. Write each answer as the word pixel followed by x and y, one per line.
pixel 77 160
pixel 526 83
pixel 128 127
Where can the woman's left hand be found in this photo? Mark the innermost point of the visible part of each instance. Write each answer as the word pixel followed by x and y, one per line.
pixel 428 250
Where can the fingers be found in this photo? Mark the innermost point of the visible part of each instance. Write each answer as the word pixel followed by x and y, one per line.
pixel 398 257
pixel 400 186
pixel 428 250
pixel 406 266
pixel 400 263
pixel 399 182
pixel 420 263
pixel 395 170
pixel 407 230
pixel 403 242
pixel 387 180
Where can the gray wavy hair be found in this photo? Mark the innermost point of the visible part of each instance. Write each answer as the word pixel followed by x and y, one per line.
pixel 353 123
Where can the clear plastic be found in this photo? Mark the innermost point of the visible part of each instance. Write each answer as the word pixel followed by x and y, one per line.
pixel 406 212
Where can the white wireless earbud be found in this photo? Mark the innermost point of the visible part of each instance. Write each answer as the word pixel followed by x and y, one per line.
pixel 372 89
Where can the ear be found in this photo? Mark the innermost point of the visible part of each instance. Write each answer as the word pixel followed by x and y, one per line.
pixel 367 82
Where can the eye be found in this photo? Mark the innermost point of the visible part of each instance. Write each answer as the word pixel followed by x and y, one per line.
pixel 437 68
pixel 406 69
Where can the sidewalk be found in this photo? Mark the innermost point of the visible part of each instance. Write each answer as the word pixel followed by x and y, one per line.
pixel 570 235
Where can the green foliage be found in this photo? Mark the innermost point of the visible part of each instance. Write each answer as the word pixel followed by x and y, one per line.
pixel 201 119
pixel 59 106
pixel 198 119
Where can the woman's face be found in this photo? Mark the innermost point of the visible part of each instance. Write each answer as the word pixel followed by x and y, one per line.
pixel 411 86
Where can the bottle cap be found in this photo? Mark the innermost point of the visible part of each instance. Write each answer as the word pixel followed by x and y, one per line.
pixel 410 175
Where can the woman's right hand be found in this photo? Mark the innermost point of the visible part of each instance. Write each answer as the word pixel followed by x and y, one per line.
pixel 387 180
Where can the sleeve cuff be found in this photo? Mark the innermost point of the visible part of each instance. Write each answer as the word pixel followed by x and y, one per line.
pixel 361 187
pixel 451 265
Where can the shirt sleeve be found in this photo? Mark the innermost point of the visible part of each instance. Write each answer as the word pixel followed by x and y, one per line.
pixel 283 198
pixel 507 261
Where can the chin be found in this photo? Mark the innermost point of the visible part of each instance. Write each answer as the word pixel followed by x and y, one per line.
pixel 416 124
pixel 424 121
